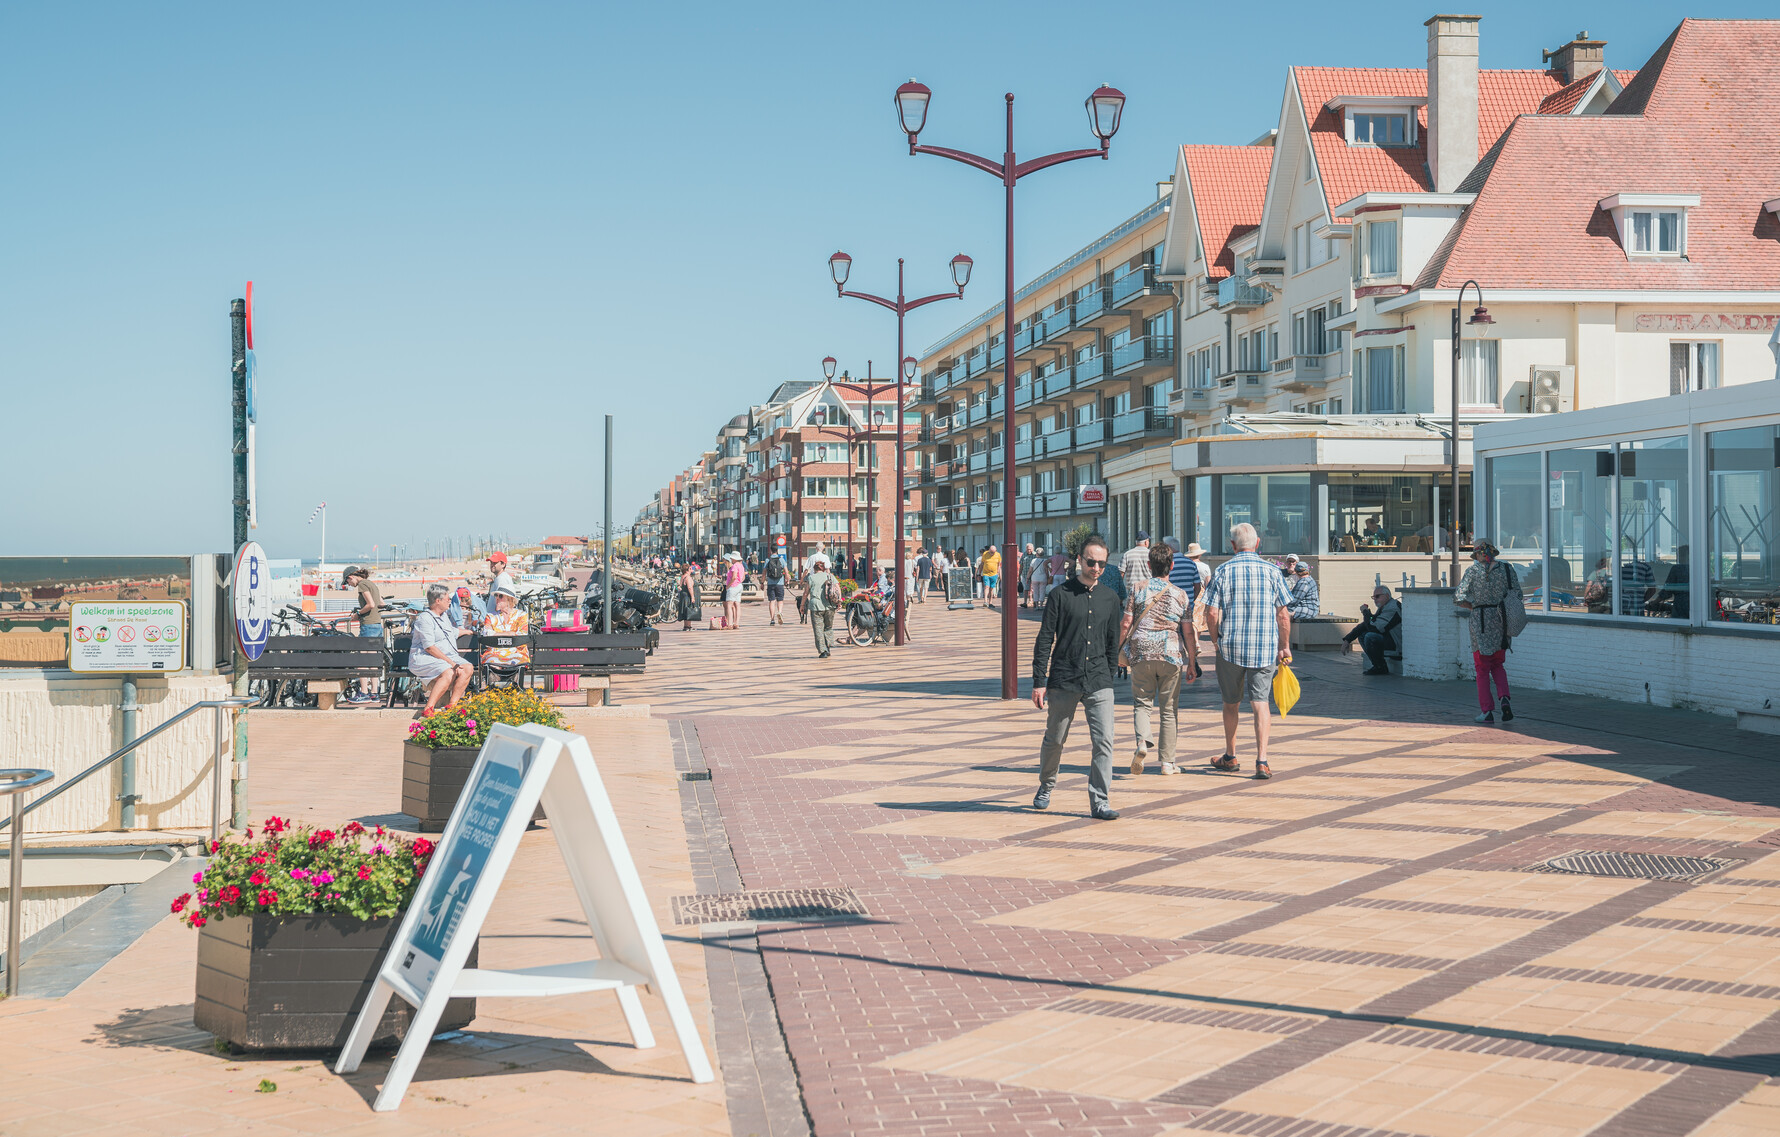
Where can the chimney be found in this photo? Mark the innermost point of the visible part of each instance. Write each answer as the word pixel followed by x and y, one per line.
pixel 1578 59
pixel 1452 99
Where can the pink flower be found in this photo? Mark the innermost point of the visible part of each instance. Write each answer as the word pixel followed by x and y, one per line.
pixel 379 851
pixel 324 877
pixel 203 896
pixel 299 874
pixel 471 723
pixel 197 878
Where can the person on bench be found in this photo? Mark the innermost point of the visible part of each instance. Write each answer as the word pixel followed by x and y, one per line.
pixel 1378 632
pixel 433 659
pixel 507 619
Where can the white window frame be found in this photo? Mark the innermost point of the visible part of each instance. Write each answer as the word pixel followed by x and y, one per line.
pixel 1411 124
pixel 1471 353
pixel 1696 356
pixel 1630 211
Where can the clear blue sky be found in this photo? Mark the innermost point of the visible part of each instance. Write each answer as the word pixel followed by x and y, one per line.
pixel 475 229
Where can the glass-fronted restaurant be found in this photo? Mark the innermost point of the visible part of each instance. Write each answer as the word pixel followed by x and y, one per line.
pixel 1661 511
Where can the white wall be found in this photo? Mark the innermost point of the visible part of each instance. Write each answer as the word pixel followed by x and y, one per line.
pixel 1664 667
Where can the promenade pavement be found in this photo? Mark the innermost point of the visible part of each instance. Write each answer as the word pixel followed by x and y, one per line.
pixel 1362 946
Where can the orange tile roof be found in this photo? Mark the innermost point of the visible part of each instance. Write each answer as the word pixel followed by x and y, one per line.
pixel 1564 100
pixel 1349 171
pixel 1229 186
pixel 1701 121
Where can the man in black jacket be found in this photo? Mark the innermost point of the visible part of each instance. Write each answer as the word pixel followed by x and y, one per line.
pixel 1073 663
pixel 1378 631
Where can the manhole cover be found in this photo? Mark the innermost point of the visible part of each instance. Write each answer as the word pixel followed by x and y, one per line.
pixel 762 906
pixel 1648 866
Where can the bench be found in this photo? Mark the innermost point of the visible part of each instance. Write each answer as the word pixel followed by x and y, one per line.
pixel 1314 633
pixel 326 663
pixel 590 655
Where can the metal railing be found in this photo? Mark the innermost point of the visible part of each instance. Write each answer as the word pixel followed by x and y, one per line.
pixel 16 782
pixel 219 705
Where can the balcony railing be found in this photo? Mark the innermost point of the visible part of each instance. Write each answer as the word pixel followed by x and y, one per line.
pixel 1192 400
pixel 1092 434
pixel 1137 282
pixel 1025 337
pixel 1239 294
pixel 1056 323
pixel 1144 422
pixel 1144 349
pixel 1093 305
pixel 1242 387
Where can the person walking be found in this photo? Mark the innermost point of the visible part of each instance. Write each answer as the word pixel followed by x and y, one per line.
pixel 733 576
pixel 1134 566
pixel 1189 576
pixel 1378 632
pixel 369 615
pixel 1023 578
pixel 822 595
pixel 687 600
pixel 1153 635
pixel 1247 613
pixel 923 575
pixel 775 574
pixel 1039 582
pixel 1484 590
pixel 1072 665
pixel 991 567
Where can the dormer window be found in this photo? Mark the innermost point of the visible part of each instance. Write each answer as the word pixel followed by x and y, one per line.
pixel 1379 129
pixel 1652 226
pixel 1375 120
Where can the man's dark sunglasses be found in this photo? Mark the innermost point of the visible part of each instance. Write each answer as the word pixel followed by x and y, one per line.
pixel 1093 563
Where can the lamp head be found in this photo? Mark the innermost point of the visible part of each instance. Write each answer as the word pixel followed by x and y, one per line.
pixel 828 367
pixel 1105 106
pixel 961 266
pixel 908 367
pixel 840 266
pixel 1480 315
pixel 911 107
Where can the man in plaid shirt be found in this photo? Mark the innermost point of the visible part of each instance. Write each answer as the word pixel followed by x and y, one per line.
pixel 1247 612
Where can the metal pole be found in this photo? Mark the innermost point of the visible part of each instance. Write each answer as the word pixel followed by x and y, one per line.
pixel 127 765
pixel 902 614
pixel 1452 535
pixel 1010 615
pixel 238 371
pixel 15 895
pixel 606 588
pixel 220 724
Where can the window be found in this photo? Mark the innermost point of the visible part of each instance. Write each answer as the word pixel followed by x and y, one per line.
pixel 1653 552
pixel 1384 379
pixel 1692 367
pixel 1380 129
pixel 1277 505
pixel 1379 512
pixel 1656 232
pixel 1579 507
pixel 1478 373
pixel 1743 527
pixel 1084 475
pixel 1381 248
pixel 1023 485
pixel 1156 394
pixel 1084 414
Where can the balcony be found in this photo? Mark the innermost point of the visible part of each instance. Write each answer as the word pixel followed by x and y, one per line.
pixel 1091 434
pixel 1143 355
pixel 979 462
pixel 1241 388
pixel 1144 422
pixel 1055 503
pixel 1056 324
pixel 1026 337
pixel 925 437
pixel 927 518
pixel 1239 295
pixel 926 394
pixel 1141 289
pixel 1307 372
pixel 1090 371
pixel 1192 401
pixel 1095 309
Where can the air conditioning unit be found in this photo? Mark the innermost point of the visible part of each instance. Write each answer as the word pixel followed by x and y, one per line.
pixel 1551 390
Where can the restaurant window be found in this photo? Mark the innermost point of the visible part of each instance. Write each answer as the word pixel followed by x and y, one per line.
pixel 1579 516
pixel 1515 521
pixel 1653 550
pixel 1478 376
pixel 1277 505
pixel 1743 525
pixel 1376 513
pixel 1692 367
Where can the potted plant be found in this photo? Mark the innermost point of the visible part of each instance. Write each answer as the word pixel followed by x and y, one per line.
pixel 294 925
pixel 441 748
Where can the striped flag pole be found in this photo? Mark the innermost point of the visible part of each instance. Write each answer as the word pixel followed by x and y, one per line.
pixel 321 511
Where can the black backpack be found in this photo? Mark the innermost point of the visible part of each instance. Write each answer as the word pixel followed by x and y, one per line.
pixel 775 569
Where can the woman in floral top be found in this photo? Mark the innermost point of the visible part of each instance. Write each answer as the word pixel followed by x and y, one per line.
pixel 1153 635
pixel 507 619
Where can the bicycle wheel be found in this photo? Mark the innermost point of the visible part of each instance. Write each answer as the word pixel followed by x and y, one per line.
pixel 860 629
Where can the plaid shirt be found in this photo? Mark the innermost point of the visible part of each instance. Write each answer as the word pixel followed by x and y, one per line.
pixel 1248 592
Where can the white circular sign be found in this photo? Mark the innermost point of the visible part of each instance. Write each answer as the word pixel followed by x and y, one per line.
pixel 253 599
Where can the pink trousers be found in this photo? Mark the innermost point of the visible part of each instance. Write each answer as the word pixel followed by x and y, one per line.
pixel 1488 667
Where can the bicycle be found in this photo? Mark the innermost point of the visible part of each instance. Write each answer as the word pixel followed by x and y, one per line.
pixel 868 621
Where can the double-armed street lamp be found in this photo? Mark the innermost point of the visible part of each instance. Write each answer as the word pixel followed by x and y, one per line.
pixel 871 389
pixel 840 266
pixel 1480 316
pixel 1104 106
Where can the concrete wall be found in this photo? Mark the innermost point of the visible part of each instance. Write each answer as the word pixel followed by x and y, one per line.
pixel 65 723
pixel 1665 667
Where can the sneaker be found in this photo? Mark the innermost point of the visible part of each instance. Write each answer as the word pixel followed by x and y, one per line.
pixel 1137 762
pixel 1485 717
pixel 1041 799
pixel 1170 768
pixel 1507 712
pixel 1104 813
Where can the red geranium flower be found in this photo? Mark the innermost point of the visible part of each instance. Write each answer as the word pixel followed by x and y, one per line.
pixel 267 896
pixel 230 894
pixel 364 872
pixel 353 829
pixel 198 920
pixel 276 825
pixel 179 902
pixel 423 847
pixel 258 859
pixel 257 879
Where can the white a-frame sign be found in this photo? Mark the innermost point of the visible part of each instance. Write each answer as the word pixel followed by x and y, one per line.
pixel 518 768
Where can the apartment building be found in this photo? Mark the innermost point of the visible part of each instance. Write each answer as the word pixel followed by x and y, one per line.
pixel 1093 366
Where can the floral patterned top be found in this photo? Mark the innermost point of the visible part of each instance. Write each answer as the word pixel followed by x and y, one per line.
pixel 1156 608
pixel 514 623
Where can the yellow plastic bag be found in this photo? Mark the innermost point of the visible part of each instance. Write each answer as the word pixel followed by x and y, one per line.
pixel 1285 689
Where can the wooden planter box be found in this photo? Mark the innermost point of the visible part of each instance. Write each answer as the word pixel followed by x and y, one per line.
pixel 297 982
pixel 432 781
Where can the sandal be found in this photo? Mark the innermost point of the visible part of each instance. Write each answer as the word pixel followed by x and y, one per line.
pixel 1262 770
pixel 1227 762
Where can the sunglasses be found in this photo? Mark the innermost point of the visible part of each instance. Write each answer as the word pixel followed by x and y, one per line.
pixel 1093 563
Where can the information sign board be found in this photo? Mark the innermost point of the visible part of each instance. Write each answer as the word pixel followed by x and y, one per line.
pixel 252 589
pixel 123 636
pixel 958 586
pixel 518 769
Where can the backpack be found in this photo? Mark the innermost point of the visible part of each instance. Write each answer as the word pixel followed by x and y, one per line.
pixel 775 569
pixel 831 592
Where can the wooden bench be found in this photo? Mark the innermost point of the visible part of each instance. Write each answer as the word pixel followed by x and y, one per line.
pixel 594 656
pixel 327 663
pixel 1314 633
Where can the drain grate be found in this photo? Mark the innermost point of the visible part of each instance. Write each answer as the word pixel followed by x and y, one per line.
pixel 1646 866
pixel 760 906
pixel 696 776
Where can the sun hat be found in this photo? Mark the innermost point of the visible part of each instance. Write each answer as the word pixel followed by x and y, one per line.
pixel 734 556
pixel 1194 549
pixel 503 590
pixel 1484 549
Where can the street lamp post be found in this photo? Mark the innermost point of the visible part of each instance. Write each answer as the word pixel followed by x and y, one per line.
pixel 871 390
pixel 1104 106
pixel 839 266
pixel 1480 316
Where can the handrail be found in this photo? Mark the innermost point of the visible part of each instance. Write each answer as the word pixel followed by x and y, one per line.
pixel 231 701
pixel 17 781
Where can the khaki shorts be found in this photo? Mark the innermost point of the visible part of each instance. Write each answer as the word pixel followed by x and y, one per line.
pixel 1238 684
